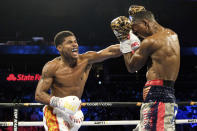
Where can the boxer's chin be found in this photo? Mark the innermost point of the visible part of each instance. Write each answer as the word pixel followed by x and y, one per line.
pixel 75 55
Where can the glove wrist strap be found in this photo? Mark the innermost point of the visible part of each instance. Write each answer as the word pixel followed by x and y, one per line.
pixel 54 101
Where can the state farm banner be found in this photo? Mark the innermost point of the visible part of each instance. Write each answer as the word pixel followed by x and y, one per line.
pixel 23 77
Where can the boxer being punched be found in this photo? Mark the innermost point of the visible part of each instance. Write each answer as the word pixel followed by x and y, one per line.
pixel 66 76
pixel 160 50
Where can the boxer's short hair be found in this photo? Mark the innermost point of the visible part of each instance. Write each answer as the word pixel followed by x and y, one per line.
pixel 60 37
pixel 135 8
pixel 143 15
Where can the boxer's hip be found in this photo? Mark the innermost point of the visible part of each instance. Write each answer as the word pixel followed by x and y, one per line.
pixel 58 119
pixel 159 91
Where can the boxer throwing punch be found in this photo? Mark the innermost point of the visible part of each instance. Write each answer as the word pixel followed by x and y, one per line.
pixel 160 50
pixel 66 76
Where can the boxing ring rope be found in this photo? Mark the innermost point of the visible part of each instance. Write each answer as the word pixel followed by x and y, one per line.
pixel 92 104
pixel 95 123
pixel 16 107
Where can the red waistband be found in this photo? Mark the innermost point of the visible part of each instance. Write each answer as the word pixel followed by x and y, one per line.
pixel 154 82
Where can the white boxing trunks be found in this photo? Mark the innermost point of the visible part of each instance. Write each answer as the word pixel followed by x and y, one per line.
pixel 54 120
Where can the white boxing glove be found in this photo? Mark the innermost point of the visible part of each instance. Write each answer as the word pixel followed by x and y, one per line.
pixel 65 116
pixel 78 120
pixel 74 121
pixel 68 104
pixel 131 44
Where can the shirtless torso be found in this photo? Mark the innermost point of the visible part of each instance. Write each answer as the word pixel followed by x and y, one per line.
pixel 66 75
pixel 63 79
pixel 165 59
pixel 164 62
pixel 160 50
pixel 67 80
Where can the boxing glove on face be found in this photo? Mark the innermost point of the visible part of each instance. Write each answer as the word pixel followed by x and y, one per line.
pixel 121 27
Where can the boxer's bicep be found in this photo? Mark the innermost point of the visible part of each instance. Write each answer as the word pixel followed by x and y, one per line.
pixel 45 82
pixel 109 52
pixel 136 61
pixel 44 85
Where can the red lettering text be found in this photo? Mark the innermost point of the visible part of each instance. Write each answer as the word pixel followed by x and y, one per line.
pixel 23 77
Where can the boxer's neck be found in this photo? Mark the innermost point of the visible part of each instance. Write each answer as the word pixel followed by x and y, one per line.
pixel 69 61
pixel 155 28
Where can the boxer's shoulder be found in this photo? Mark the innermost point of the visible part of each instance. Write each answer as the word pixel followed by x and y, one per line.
pixel 51 66
pixel 170 31
pixel 54 63
pixel 151 43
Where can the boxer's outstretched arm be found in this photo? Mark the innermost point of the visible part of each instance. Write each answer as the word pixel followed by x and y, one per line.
pixel 44 84
pixel 109 52
pixel 136 61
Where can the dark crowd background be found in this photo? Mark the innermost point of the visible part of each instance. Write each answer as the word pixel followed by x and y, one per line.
pixel 27 25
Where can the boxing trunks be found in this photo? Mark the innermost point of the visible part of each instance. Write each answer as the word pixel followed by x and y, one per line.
pixel 54 121
pixel 159 109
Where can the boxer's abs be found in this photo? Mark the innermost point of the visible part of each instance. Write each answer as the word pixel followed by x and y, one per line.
pixel 67 91
pixel 69 82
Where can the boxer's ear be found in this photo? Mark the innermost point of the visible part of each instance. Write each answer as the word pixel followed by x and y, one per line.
pixel 145 22
pixel 59 48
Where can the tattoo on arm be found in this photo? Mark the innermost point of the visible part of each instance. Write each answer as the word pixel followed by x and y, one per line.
pixel 44 85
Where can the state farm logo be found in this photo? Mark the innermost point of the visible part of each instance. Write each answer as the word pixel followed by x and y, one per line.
pixel 11 77
pixel 22 77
